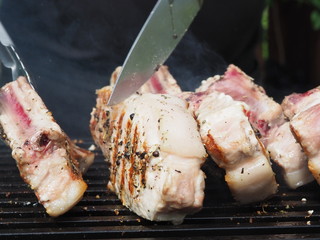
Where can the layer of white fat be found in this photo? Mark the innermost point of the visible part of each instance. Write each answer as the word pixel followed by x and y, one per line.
pixel 248 170
pixel 70 196
pixel 288 154
pixel 224 118
pixel 253 181
pixel 174 188
pixel 174 181
pixel 167 123
pixel 304 102
pixel 306 125
pixel 55 184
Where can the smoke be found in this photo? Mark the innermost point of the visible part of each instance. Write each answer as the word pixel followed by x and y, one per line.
pixel 192 61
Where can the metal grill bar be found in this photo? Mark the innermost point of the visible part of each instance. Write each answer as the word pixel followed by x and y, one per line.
pixel 100 215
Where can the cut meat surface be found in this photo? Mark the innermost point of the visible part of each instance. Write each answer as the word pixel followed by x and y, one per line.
pixel 47 159
pixel 155 153
pixel 289 153
pixel 229 139
pixel 267 117
pixel 303 109
pixel 306 126
pixel 298 102
pixel 264 113
pixel 231 142
pixel 161 82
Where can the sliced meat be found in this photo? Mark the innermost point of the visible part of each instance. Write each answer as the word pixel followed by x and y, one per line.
pixel 298 102
pixel 231 142
pixel 161 82
pixel 264 113
pixel 303 109
pixel 306 126
pixel 289 153
pixel 267 118
pixel 47 160
pixel 155 153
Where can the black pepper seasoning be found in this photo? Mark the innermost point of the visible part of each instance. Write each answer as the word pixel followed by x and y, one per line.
pixel 156 153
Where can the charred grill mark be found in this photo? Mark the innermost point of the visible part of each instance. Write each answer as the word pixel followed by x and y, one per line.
pixel 71 162
pixel 143 155
pixel 130 149
pixel 107 127
pixel 145 158
pixel 263 149
pixel 94 124
pixel 143 171
pixel 214 149
pixel 126 142
pixel 114 156
pixel 297 136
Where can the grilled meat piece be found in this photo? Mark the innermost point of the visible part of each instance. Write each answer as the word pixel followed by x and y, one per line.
pixel 267 118
pixel 46 158
pixel 298 102
pixel 231 142
pixel 228 137
pixel 155 153
pixel 160 82
pixel 303 111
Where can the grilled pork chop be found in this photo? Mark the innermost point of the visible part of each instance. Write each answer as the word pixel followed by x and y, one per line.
pixel 47 160
pixel 303 111
pixel 155 153
pixel 231 142
pixel 267 118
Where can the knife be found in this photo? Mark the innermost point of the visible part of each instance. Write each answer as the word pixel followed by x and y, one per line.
pixel 163 30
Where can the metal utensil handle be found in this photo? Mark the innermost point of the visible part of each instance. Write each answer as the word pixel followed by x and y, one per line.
pixel 19 68
pixel 9 56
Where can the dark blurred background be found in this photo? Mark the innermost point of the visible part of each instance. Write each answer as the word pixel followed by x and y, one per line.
pixel 71 47
pixel 291 46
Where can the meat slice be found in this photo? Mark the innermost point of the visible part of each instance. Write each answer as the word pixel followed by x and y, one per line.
pixel 155 153
pixel 46 158
pixel 229 139
pixel 298 102
pixel 160 82
pixel 231 142
pixel 304 112
pixel 267 118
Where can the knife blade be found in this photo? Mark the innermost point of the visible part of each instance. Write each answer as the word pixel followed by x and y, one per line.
pixel 162 31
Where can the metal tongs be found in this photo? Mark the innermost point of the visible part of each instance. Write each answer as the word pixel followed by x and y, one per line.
pixel 9 56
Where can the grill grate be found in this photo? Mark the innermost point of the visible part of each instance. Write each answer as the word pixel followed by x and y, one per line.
pixel 100 215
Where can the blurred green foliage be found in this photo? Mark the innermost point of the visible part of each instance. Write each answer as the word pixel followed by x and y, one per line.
pixel 315 14
pixel 265 26
pixel 314 20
